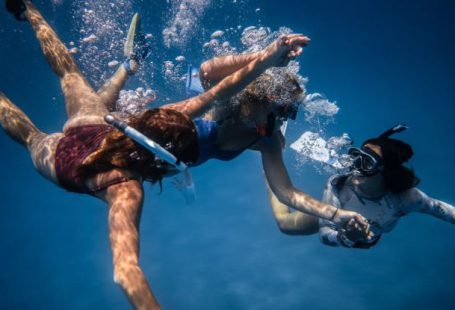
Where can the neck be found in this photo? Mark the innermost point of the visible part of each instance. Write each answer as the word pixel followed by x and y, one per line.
pixel 372 186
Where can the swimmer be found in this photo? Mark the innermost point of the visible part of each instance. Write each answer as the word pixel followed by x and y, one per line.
pixel 379 187
pixel 252 120
pixel 92 157
pixel 226 130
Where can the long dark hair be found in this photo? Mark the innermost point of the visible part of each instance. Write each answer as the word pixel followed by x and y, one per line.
pixel 397 177
pixel 171 129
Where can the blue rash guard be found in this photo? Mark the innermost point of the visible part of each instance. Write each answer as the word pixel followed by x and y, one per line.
pixel 207 132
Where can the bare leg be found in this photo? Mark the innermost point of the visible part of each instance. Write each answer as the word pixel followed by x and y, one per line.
pixel 125 206
pixel 19 127
pixel 216 69
pixel 110 91
pixel 292 223
pixel 81 100
pixel 136 49
pixel 16 124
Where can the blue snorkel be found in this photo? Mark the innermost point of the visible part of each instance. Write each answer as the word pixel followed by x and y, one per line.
pixel 185 185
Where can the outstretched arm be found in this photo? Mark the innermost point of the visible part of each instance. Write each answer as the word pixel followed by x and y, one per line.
pixel 281 185
pixel 214 70
pixel 276 54
pixel 414 200
pixel 291 223
pixel 125 204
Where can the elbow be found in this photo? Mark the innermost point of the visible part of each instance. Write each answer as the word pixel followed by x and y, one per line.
pixel 285 196
pixel 285 229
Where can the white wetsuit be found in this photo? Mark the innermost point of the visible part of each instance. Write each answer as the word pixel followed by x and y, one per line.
pixel 382 213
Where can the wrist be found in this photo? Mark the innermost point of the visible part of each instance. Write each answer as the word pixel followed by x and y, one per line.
pixel 334 214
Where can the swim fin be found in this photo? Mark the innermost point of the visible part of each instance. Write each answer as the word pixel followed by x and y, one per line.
pixel 17 8
pixel 136 46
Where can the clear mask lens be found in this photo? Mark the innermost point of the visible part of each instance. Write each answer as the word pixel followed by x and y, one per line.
pixel 363 162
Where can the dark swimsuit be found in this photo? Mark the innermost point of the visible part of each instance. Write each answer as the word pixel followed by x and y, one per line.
pixel 77 144
pixel 207 132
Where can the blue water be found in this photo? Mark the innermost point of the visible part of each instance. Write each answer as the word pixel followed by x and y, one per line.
pixel 382 61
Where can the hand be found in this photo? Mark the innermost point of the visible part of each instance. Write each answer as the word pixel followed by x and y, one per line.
pixel 354 232
pixel 288 47
pixel 353 224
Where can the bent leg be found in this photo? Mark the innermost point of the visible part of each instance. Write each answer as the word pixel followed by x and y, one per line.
pixel 110 91
pixel 41 146
pixel 136 49
pixel 125 204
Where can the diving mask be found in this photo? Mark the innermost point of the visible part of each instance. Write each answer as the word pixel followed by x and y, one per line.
pixel 364 161
pixel 287 111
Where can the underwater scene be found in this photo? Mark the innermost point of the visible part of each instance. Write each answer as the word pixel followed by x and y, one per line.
pixel 258 154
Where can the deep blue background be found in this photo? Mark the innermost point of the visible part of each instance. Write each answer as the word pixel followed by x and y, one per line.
pixel 383 61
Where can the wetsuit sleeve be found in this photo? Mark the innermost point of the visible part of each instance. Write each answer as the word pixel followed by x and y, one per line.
pixel 414 200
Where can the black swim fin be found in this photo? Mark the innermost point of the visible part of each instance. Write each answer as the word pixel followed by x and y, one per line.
pixel 17 8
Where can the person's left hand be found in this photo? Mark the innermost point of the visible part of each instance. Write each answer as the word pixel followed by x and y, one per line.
pixel 357 232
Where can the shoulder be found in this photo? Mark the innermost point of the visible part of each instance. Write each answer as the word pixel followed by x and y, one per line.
pixel 411 195
pixel 411 198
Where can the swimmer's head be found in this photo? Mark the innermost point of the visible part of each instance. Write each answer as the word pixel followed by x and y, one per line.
pixel 393 154
pixel 275 91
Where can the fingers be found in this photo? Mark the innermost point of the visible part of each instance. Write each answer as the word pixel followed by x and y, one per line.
pixel 294 40
pixel 361 219
pixel 299 40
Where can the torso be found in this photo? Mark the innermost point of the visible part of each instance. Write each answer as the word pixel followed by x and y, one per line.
pixel 383 213
pixel 74 148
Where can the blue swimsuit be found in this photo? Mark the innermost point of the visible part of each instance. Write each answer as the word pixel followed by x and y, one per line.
pixel 207 132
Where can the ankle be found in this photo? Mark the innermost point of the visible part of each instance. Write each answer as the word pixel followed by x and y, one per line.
pixel 131 66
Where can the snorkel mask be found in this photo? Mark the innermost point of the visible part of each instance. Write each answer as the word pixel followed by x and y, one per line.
pixel 365 162
pixel 287 111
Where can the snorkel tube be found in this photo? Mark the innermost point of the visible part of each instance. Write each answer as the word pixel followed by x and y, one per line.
pixel 186 185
